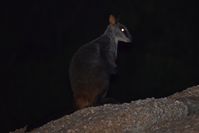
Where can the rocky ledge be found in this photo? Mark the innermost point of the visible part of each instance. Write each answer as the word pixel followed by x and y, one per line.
pixel 178 113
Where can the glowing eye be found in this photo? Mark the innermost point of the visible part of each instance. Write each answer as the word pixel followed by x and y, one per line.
pixel 122 29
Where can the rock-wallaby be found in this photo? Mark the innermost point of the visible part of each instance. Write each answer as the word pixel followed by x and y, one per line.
pixel 94 62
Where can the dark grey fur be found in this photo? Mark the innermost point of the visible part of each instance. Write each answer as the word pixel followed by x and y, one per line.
pixel 93 63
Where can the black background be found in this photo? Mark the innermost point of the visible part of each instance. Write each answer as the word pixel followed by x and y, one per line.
pixel 40 37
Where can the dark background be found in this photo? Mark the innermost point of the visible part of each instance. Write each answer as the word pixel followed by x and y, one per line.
pixel 40 37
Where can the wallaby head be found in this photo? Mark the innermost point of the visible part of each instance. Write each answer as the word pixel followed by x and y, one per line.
pixel 119 31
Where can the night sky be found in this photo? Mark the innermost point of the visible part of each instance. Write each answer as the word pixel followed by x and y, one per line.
pixel 40 37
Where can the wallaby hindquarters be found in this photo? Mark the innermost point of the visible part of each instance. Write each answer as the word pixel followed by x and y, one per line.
pixel 89 87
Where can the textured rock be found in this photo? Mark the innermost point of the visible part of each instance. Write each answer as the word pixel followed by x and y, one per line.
pixel 189 92
pixel 189 124
pixel 178 113
pixel 132 117
pixel 190 97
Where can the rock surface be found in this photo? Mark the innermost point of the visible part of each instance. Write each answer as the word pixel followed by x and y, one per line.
pixel 178 113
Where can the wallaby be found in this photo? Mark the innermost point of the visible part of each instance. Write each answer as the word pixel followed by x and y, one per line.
pixel 94 62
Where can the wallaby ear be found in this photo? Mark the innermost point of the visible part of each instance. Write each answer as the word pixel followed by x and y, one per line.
pixel 112 20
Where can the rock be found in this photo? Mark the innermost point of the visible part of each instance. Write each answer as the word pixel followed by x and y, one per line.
pixel 189 124
pixel 21 130
pixel 190 97
pixel 178 113
pixel 129 117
